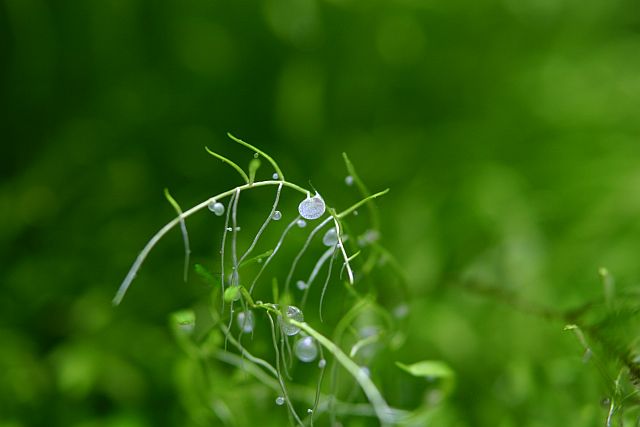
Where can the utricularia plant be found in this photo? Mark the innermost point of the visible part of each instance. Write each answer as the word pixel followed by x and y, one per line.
pixel 267 303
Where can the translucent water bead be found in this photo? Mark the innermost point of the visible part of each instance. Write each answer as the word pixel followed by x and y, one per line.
pixel 301 284
pixel 330 238
pixel 312 207
pixel 294 313
pixel 279 400
pixel 246 321
pixel 301 223
pixel 306 349
pixel 216 207
pixel 276 215
pixel 348 180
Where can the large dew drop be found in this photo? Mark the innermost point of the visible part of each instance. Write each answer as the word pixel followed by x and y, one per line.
pixel 306 349
pixel 330 238
pixel 216 207
pixel 294 313
pixel 312 207
pixel 246 321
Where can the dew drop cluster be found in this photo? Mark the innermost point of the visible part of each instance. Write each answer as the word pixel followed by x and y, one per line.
pixel 216 207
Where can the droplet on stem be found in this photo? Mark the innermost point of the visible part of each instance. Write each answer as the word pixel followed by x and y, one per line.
pixel 276 215
pixel 292 312
pixel 306 349
pixel 246 321
pixel 216 207
pixel 301 285
pixel 275 176
pixel 348 180
pixel 301 223
pixel 279 400
pixel 330 238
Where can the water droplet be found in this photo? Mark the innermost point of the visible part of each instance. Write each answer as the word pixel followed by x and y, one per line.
pixel 330 238
pixel 229 229
pixel 237 228
pixel 294 313
pixel 401 311
pixel 301 285
pixel 279 400
pixel 216 207
pixel 301 223
pixel 306 349
pixel 276 215
pixel 246 321
pixel 348 180
pixel 312 207
pixel 355 213
pixel 368 331
pixel 275 176
pixel 309 411
pixel 322 363
pixel 255 155
pixel 368 237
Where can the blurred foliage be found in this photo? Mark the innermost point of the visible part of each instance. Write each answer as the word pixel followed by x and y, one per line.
pixel 507 130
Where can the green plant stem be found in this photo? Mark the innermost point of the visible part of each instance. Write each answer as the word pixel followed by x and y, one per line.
pixel 164 230
pixel 230 163
pixel 383 411
pixel 185 234
pixel 260 152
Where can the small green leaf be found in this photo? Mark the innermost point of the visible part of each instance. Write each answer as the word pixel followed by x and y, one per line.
pixel 205 274
pixel 183 321
pixel 428 369
pixel 432 370
pixel 254 165
pixel 232 293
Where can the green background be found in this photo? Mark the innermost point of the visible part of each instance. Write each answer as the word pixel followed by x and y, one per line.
pixel 506 130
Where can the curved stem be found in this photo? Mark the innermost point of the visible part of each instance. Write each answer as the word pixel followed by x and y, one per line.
pixel 383 411
pixel 164 230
